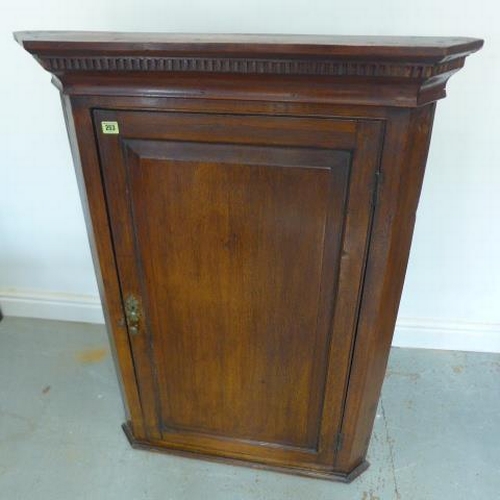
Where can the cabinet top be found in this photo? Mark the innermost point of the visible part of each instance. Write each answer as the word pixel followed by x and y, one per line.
pixel 428 49
pixel 395 71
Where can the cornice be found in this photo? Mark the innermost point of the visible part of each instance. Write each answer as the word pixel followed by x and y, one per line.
pixel 395 71
pixel 239 65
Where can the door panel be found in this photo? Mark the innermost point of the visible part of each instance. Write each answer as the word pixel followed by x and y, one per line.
pixel 232 312
pixel 230 238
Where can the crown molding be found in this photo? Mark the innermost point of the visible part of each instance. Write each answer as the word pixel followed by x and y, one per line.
pixel 398 71
pixel 378 69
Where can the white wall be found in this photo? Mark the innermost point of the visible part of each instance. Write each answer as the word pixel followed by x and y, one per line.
pixel 452 293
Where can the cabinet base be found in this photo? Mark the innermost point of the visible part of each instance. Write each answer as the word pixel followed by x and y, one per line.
pixel 330 475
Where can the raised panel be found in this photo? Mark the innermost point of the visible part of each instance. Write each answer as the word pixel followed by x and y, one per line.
pixel 231 244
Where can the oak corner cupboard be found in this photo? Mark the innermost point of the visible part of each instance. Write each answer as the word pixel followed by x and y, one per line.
pixel 250 202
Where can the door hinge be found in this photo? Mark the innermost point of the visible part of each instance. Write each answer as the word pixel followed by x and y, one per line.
pixel 376 184
pixel 339 441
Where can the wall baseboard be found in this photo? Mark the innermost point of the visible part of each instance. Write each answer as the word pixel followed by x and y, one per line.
pixel 48 305
pixel 410 332
pixel 447 334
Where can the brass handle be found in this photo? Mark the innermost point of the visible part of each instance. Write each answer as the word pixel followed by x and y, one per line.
pixel 133 314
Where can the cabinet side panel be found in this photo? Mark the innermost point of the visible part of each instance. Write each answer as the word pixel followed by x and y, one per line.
pixel 85 157
pixel 402 171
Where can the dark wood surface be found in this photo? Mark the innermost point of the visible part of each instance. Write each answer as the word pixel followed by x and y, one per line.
pixel 263 222
pixel 391 47
pixel 395 71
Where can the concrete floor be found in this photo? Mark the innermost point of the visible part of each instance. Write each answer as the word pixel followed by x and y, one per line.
pixel 437 432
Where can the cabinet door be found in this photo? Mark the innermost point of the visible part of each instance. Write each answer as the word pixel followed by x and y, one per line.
pixel 240 243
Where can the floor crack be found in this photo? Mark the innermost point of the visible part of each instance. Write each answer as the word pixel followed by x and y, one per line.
pixel 391 451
